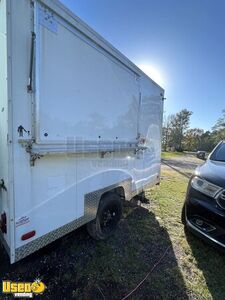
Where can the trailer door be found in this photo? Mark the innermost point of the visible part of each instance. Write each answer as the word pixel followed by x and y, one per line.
pixel 82 91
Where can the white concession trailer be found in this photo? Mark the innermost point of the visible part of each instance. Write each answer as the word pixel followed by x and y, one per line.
pixel 80 127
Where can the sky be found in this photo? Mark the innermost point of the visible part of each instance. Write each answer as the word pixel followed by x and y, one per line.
pixel 180 43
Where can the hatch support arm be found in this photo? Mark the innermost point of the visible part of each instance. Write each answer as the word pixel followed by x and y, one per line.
pixel 30 81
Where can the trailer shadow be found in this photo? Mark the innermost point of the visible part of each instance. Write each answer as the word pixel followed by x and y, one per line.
pixel 211 261
pixel 77 267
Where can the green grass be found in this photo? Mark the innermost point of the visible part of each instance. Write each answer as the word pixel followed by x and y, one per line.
pixel 201 266
pixel 190 270
pixel 80 268
pixel 171 154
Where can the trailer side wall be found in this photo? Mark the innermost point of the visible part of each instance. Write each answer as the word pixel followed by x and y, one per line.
pixel 4 157
pixel 61 191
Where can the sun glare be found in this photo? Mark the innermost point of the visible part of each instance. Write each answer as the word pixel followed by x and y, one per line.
pixel 152 72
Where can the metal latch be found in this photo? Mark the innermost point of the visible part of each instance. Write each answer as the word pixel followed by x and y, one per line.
pixel 21 129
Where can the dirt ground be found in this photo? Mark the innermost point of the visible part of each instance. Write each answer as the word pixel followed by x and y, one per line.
pixel 185 164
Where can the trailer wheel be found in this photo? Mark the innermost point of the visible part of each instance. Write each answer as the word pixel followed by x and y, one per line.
pixel 108 216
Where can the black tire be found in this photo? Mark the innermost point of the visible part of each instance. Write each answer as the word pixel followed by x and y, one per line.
pixel 108 216
pixel 183 215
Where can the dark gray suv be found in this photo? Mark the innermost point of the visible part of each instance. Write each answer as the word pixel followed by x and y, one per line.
pixel 204 208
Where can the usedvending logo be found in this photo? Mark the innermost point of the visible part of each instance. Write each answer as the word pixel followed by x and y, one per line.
pixel 23 289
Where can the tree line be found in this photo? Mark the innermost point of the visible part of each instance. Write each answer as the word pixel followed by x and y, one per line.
pixel 178 136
